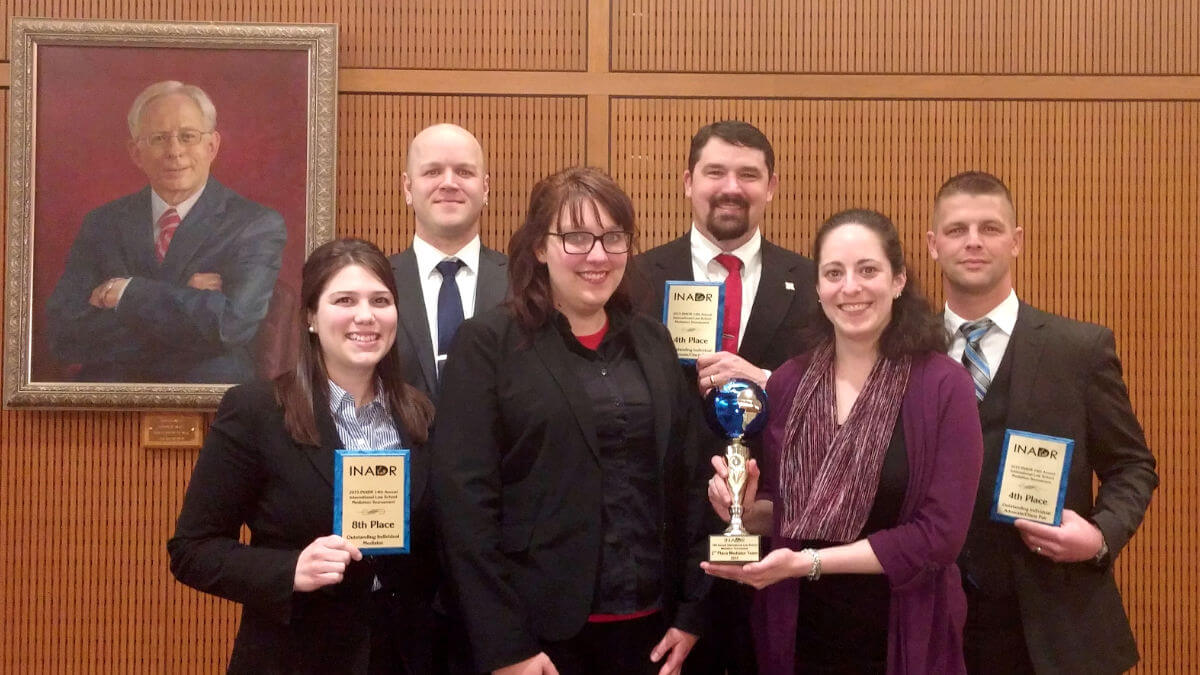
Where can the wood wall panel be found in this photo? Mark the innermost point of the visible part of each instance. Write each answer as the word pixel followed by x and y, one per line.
pixel 447 34
pixel 524 139
pixel 914 36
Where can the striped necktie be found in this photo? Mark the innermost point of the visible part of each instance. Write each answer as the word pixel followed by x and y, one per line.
pixel 973 358
pixel 168 222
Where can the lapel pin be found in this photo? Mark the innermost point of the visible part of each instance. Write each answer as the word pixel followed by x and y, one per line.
pixel 789 286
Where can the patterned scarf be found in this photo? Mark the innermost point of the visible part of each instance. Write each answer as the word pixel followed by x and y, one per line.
pixel 829 475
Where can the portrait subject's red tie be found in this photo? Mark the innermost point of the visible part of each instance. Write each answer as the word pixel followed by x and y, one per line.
pixel 733 302
pixel 168 222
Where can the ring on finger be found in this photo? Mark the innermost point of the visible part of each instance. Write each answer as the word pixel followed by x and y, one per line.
pixel 712 382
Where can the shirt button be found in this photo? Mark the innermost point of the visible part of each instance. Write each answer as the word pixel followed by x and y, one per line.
pixel 604 371
pixel 617 402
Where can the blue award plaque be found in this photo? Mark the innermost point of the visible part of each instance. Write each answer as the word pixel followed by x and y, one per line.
pixel 1032 480
pixel 693 312
pixel 370 499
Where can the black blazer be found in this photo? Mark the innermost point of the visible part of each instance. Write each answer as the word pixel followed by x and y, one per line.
pixel 415 342
pixel 251 471
pixel 1066 381
pixel 779 311
pixel 518 485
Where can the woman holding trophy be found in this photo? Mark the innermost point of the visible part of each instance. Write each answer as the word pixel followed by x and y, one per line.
pixel 870 463
pixel 570 495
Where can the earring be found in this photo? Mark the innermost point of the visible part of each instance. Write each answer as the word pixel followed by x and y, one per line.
pixel 311 329
pixel 897 297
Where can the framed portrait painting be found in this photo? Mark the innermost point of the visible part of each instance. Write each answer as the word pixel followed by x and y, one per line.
pixel 165 182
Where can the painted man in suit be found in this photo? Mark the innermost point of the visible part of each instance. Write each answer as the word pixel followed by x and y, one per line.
pixel 730 179
pixel 449 275
pixel 1041 599
pixel 170 283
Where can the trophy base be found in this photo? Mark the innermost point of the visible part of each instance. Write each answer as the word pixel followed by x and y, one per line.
pixel 737 549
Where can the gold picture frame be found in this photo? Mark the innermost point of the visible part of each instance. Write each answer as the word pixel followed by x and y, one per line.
pixel 71 157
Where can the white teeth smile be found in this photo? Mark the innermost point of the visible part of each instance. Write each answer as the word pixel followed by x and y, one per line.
pixel 855 306
pixel 363 337
pixel 593 276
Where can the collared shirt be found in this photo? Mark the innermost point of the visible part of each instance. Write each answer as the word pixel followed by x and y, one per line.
pixel 367 428
pixel 706 268
pixel 428 258
pixel 631 563
pixel 995 342
pixel 159 206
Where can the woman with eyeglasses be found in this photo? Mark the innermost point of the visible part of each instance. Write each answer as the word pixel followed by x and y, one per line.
pixel 311 602
pixel 570 493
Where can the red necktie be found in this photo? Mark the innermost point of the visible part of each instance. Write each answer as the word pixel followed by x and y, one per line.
pixel 733 302
pixel 168 222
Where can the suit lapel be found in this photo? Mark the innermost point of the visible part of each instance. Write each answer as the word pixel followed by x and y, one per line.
pixel 771 304
pixel 137 238
pixel 677 265
pixel 491 284
pixel 553 353
pixel 1025 351
pixel 411 305
pixel 200 224
pixel 321 456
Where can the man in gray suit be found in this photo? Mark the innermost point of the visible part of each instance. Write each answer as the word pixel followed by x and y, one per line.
pixel 1040 598
pixel 446 276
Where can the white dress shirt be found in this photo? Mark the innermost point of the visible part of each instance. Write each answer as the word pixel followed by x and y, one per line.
pixel 428 258
pixel 706 268
pixel 159 206
pixel 995 341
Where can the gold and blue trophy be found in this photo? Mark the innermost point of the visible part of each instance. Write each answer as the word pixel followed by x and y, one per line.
pixel 736 410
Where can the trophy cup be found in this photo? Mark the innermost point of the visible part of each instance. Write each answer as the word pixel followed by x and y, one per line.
pixel 736 410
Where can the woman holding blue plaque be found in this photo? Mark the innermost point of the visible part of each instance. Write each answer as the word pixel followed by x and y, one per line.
pixel 311 603
pixel 570 495
pixel 870 463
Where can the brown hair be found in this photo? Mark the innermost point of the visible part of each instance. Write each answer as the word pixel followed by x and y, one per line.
pixel 733 132
pixel 974 183
pixel 574 189
pixel 913 328
pixel 305 389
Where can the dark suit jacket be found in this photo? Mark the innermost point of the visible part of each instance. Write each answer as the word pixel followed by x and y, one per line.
pixel 779 313
pixel 251 471
pixel 517 480
pixel 163 330
pixel 415 342
pixel 1066 381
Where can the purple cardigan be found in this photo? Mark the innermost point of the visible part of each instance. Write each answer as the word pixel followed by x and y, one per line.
pixel 945 447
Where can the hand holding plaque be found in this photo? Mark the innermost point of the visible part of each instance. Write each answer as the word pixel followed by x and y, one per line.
pixel 736 409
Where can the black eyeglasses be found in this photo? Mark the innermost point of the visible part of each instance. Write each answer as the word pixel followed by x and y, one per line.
pixel 581 242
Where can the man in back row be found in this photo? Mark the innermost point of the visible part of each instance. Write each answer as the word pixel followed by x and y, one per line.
pixel 769 293
pixel 1040 599
pixel 446 184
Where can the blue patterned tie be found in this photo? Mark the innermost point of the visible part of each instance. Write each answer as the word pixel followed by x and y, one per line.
pixel 450 307
pixel 973 357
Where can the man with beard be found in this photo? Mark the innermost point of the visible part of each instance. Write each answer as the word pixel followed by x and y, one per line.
pixel 769 293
